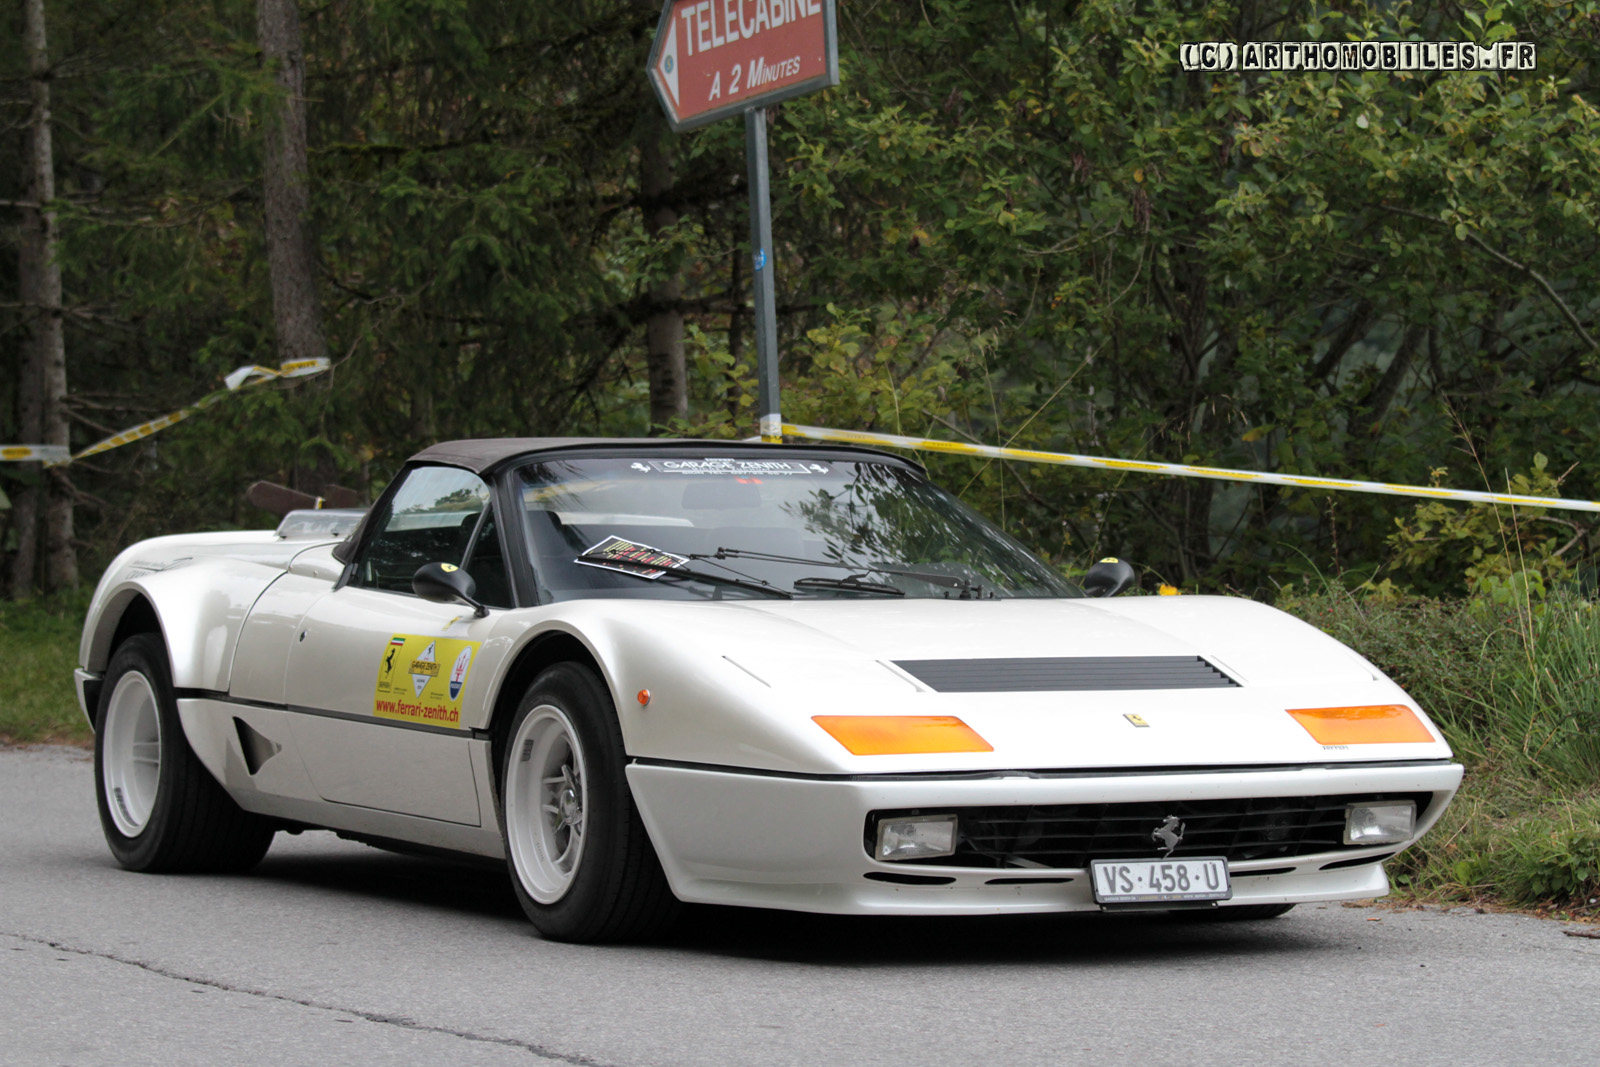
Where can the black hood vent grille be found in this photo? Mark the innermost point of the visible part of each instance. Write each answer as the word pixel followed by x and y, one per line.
pixel 1065 674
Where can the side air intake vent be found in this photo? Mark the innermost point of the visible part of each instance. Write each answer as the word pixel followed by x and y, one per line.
pixel 256 747
pixel 1065 674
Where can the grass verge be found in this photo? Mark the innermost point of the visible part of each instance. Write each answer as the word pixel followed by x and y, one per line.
pixel 40 638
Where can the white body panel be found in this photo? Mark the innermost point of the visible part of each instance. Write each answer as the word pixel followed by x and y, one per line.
pixel 746 799
pixel 282 787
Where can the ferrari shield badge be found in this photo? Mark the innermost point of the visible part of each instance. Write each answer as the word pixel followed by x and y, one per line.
pixel 414 685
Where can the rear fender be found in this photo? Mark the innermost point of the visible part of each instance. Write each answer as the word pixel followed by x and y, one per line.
pixel 200 605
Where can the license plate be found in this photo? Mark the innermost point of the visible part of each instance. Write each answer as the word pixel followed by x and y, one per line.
pixel 1147 881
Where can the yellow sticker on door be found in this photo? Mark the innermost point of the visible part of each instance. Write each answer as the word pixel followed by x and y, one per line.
pixel 420 679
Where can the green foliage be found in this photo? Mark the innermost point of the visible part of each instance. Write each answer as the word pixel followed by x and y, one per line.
pixel 1020 224
pixel 1555 859
pixel 41 639
pixel 1508 555
pixel 882 369
pixel 1547 701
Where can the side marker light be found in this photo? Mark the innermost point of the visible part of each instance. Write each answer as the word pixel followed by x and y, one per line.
pixel 644 697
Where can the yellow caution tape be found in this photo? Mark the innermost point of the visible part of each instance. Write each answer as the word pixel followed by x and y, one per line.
pixel 1185 470
pixel 59 455
pixel 44 453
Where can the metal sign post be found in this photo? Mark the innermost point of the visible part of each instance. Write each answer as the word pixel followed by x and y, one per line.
pixel 761 274
pixel 716 58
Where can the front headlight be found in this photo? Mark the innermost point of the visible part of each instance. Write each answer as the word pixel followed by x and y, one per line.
pixel 1380 823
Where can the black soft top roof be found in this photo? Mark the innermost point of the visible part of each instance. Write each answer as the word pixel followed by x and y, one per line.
pixel 482 454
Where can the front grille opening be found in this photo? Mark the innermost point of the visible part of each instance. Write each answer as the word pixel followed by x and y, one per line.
pixel 1068 836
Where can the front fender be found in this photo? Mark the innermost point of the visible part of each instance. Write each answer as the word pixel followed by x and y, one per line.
pixel 703 706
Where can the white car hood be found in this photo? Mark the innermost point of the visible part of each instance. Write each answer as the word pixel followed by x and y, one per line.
pixel 792 660
pixel 1251 643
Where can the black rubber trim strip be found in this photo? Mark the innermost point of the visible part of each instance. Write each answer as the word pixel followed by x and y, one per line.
pixel 984 776
pixel 1358 861
pixel 910 879
pixel 324 713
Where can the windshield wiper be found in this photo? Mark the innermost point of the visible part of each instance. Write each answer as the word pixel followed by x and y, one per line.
pixel 852 584
pixel 969 589
pixel 755 585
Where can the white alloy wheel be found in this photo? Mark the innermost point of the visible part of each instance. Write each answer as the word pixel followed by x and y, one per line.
pixel 132 753
pixel 546 797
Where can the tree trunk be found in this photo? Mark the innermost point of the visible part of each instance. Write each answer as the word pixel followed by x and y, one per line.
pixel 664 361
pixel 291 254
pixel 46 364
pixel 30 412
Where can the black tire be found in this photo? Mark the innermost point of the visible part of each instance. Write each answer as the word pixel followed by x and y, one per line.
pixel 613 888
pixel 183 821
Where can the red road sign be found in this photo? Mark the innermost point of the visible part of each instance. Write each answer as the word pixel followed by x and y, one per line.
pixel 714 58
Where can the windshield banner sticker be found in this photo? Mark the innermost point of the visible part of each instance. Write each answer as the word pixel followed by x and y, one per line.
pixel 630 557
pixel 745 467
pixel 420 679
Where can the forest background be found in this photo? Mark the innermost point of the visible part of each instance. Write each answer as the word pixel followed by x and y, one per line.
pixel 1015 223
pixel 1012 222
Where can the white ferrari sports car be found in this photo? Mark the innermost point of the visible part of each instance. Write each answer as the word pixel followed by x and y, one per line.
pixel 651 671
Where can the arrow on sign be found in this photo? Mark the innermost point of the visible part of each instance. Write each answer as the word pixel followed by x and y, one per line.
pixel 667 63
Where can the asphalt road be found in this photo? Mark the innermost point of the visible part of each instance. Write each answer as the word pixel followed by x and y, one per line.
pixel 334 953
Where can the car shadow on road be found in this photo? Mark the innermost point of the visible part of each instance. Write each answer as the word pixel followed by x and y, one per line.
pixel 890 941
pixel 425 881
pixel 822 940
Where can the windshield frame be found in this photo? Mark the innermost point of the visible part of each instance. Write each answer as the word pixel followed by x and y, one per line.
pixel 509 479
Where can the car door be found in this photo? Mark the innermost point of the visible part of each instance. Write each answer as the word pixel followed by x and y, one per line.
pixel 379 676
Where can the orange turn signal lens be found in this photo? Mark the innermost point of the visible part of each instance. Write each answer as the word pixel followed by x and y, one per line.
pixel 1374 724
pixel 902 735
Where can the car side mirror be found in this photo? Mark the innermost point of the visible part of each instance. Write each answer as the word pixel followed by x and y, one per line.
pixel 1107 578
pixel 446 582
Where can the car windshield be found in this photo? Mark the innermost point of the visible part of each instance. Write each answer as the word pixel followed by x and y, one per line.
pixel 757 525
